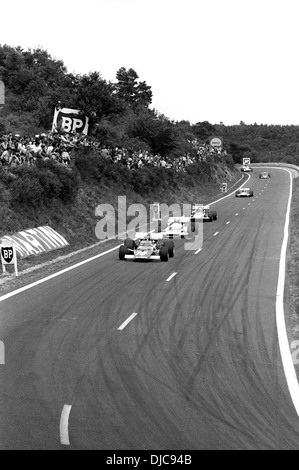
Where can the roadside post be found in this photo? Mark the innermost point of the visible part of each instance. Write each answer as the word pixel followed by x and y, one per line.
pixel 224 187
pixel 8 255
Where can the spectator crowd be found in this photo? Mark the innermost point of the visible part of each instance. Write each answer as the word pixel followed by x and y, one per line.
pixel 16 150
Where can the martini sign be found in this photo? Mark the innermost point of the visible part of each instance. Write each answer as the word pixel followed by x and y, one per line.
pixel 215 141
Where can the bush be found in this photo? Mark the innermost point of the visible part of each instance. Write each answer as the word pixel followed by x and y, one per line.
pixel 26 191
pixel 54 181
pixel 65 182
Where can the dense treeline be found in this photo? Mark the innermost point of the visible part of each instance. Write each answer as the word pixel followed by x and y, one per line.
pixel 120 113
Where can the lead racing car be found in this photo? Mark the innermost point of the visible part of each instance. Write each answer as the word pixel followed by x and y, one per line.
pixel 146 247
pixel 244 192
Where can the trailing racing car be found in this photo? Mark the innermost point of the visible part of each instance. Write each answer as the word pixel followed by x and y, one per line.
pixel 204 213
pixel 177 227
pixel 264 175
pixel 147 246
pixel 244 192
pixel 246 168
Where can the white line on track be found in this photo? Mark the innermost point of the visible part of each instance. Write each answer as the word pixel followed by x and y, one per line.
pixel 237 213
pixel 243 208
pixel 170 277
pixel 198 251
pixel 45 279
pixel 124 324
pixel 283 341
pixel 64 425
pixel 228 222
pixel 216 233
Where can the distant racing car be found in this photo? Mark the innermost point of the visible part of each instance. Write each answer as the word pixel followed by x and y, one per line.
pixel 246 168
pixel 264 175
pixel 147 246
pixel 244 192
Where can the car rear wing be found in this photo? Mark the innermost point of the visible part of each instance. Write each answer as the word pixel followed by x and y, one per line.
pixel 182 219
pixel 151 235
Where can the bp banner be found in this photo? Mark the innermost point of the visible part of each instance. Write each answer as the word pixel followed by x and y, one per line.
pixel 70 120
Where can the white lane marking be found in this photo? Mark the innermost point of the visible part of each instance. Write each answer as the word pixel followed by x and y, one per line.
pixel 237 213
pixel 249 203
pixel 243 208
pixel 198 251
pixel 45 279
pixel 64 425
pixel 216 233
pixel 228 222
pixel 124 324
pixel 170 277
pixel 283 341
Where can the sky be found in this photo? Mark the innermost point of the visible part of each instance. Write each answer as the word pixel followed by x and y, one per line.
pixel 205 60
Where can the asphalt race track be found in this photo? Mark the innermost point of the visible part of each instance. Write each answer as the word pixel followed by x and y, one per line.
pixel 197 367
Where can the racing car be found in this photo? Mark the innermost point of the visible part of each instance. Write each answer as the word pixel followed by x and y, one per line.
pixel 244 192
pixel 264 175
pixel 203 213
pixel 246 168
pixel 147 246
pixel 177 227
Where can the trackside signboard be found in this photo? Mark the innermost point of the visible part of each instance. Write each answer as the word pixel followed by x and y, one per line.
pixel 8 255
pixel 35 241
pixel 216 141
pixel 70 120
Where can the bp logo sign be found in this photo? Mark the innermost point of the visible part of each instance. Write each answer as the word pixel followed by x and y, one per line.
pixel 7 254
pixel 70 120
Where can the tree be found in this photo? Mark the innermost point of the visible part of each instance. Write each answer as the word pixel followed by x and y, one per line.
pixel 95 97
pixel 130 92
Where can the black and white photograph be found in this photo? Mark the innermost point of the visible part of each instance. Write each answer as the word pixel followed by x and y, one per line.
pixel 149 228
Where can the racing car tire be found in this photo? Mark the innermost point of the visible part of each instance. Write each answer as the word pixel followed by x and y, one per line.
pixel 129 243
pixel 251 194
pixel 122 252
pixel 164 253
pixel 159 226
pixel 170 245
pixel 213 214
